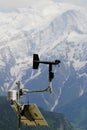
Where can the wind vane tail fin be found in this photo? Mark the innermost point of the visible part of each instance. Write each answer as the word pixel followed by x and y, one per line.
pixel 35 61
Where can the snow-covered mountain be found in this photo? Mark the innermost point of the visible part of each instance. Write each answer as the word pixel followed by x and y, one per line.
pixel 54 31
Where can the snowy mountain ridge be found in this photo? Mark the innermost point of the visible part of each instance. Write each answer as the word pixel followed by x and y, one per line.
pixel 54 31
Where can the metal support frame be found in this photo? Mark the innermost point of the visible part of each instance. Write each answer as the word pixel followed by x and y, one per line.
pixel 20 91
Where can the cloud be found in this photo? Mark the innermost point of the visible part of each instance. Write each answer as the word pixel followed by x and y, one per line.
pixel 77 2
pixel 27 3
pixel 14 3
pixel 23 3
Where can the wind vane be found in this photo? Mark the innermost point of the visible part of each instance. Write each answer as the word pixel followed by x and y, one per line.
pixel 36 63
pixel 29 114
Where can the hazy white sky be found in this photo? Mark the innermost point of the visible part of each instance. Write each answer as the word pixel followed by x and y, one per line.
pixel 25 3
pixel 77 2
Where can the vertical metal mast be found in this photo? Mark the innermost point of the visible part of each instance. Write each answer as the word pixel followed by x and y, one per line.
pixel 18 100
pixel 51 76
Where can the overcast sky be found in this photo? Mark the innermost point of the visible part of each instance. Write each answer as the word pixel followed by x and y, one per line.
pixel 77 2
pixel 25 3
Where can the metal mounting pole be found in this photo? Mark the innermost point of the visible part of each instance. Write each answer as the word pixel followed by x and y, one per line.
pixel 51 76
pixel 18 100
pixel 19 122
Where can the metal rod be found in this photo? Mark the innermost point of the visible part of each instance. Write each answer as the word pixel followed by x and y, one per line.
pixel 50 86
pixel 18 100
pixel 19 122
pixel 34 91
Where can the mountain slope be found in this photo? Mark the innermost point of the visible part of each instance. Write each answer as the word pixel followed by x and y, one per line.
pixel 76 111
pixel 54 31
